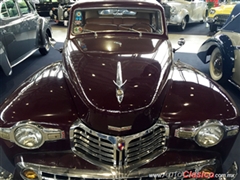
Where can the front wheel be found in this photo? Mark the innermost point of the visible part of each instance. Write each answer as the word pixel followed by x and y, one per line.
pixel 216 66
pixel 45 49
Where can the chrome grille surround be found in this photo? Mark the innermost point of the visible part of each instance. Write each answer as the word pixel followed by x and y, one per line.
pixel 102 149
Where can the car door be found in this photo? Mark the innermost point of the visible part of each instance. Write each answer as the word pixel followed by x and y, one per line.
pixel 30 22
pixel 14 38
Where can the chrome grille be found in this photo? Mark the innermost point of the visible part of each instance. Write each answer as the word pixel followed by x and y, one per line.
pixel 60 12
pixel 167 11
pixel 97 148
pixel 102 149
pixel 141 147
pixel 221 18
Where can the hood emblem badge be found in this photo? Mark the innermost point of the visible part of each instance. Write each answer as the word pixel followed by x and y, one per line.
pixel 119 83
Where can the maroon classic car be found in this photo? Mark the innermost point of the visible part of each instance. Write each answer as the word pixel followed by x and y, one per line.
pixel 117 106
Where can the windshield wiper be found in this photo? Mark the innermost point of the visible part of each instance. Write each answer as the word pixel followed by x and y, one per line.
pixel 131 29
pixel 88 30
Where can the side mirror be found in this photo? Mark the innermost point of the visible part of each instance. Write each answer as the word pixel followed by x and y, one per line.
pixel 181 42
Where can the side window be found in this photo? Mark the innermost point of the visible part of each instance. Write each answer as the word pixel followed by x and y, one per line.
pixel 9 9
pixel 24 8
pixel 4 12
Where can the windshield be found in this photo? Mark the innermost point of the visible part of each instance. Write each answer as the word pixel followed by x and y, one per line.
pixel 117 19
pixel 233 22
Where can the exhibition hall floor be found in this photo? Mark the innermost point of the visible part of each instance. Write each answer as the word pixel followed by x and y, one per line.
pixel 194 36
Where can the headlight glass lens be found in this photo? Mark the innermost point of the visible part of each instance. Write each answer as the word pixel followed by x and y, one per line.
pixel 209 136
pixel 212 11
pixel 28 137
pixel 65 14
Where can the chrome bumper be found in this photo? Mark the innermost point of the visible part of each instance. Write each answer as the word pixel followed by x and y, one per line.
pixel 5 175
pixel 54 173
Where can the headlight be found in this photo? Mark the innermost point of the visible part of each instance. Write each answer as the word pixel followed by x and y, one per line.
pixel 209 135
pixel 173 10
pixel 212 11
pixel 28 137
pixel 65 14
pixel 51 13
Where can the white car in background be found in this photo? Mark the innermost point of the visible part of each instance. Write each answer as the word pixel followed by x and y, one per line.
pixel 181 12
pixel 60 14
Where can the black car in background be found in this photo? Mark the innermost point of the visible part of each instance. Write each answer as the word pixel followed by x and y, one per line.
pixel 22 32
pixel 44 6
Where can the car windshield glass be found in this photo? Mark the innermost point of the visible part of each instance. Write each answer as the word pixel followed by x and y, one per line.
pixel 232 23
pixel 117 19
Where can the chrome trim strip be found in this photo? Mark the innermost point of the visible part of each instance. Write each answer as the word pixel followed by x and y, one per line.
pixel 233 83
pixel 25 57
pixel 191 132
pixel 122 159
pixel 106 174
pixel 49 134
pixel 119 83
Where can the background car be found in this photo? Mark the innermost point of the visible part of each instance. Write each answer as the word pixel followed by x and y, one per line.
pixel 218 15
pixel 22 31
pixel 181 12
pixel 224 50
pixel 44 6
pixel 60 13
pixel 118 106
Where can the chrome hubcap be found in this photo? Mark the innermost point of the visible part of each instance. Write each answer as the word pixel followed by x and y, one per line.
pixel 217 64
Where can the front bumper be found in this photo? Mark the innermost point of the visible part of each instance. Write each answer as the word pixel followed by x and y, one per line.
pixel 157 173
pixel 216 22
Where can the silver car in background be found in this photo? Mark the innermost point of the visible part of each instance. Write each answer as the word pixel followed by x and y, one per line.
pixel 181 12
pixel 22 32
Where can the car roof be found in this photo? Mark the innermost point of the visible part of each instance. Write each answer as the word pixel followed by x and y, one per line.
pixel 120 2
pixel 149 1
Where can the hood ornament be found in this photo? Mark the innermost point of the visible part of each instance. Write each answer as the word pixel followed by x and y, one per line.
pixel 119 83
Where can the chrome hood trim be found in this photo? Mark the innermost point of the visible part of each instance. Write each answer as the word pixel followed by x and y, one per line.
pixel 119 83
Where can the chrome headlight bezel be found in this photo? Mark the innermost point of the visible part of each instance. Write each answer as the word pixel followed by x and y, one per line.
pixel 31 133
pixel 209 135
pixel 192 132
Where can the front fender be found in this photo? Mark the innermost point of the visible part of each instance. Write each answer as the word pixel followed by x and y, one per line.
pixel 45 98
pixel 4 62
pixel 44 28
pixel 224 43
pixel 182 14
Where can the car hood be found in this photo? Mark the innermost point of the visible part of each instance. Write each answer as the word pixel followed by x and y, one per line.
pixel 101 68
pixel 225 9
pixel 177 4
